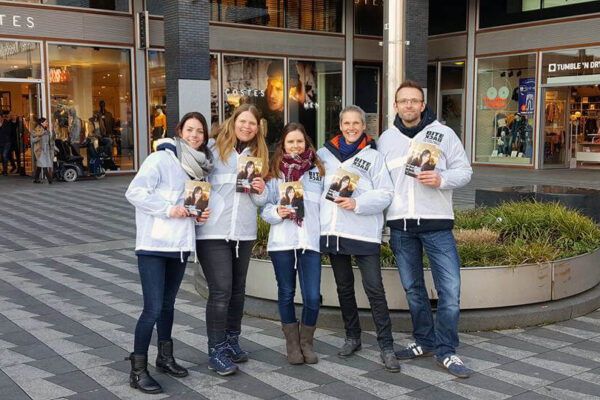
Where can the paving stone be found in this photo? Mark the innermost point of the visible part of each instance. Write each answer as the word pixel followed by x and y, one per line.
pixel 531 396
pixel 249 385
pixel 344 391
pixel 35 351
pixel 76 381
pixel 13 392
pixel 578 386
pixel 96 394
pixel 92 340
pixel 55 365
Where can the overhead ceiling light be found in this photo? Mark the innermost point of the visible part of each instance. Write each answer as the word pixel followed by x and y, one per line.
pixel 459 62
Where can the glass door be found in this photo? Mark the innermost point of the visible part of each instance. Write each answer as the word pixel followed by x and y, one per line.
pixel 555 144
pixel 366 95
pixel 21 103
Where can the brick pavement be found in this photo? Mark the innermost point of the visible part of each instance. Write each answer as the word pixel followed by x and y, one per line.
pixel 70 296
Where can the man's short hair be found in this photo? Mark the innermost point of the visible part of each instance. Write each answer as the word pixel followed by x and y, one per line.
pixel 355 109
pixel 409 84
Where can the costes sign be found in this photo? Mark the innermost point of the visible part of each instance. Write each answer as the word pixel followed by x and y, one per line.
pixel 17 21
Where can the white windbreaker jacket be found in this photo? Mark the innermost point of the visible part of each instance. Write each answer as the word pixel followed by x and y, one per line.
pixel 157 187
pixel 413 200
pixel 373 194
pixel 285 234
pixel 233 214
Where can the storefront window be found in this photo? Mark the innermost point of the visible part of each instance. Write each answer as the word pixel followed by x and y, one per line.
pixel 368 17
pixel 506 91
pixel 447 16
pixel 451 95
pixel 315 97
pixel 114 5
pixel 90 97
pixel 155 7
pixel 258 81
pixel 157 92
pixel 20 60
pixel 506 12
pixel 316 15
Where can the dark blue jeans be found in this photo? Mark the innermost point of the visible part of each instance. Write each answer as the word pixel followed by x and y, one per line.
pixel 161 278
pixel 309 275
pixel 440 248
pixel 4 153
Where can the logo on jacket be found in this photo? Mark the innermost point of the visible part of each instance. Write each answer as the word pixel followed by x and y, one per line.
pixel 314 176
pixel 433 136
pixel 362 164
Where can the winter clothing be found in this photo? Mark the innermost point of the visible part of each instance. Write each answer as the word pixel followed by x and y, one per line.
pixel 43 147
pixel 165 362
pixel 139 378
pixel 292 343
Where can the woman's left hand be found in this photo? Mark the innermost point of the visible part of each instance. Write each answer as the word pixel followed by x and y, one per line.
pixel 347 203
pixel 258 184
pixel 204 216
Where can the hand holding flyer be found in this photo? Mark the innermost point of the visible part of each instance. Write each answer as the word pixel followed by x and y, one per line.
pixel 248 169
pixel 196 195
pixel 343 185
pixel 422 157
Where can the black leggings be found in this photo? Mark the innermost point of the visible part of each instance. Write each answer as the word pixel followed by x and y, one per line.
pixel 226 278
pixel 45 172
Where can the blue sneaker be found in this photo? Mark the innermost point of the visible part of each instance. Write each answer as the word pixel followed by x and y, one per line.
pixel 219 361
pixel 234 351
pixel 413 350
pixel 454 365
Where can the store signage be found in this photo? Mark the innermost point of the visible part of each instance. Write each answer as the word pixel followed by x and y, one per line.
pixel 574 66
pixel 375 3
pixel 141 31
pixel 526 95
pixel 496 98
pixel 17 21
pixel 245 92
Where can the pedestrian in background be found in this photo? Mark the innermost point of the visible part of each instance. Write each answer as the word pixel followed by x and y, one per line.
pixel 294 237
pixel 43 148
pixel 165 237
pixel 224 244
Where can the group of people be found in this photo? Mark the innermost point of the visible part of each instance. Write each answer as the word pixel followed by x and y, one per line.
pixel 9 143
pixel 419 214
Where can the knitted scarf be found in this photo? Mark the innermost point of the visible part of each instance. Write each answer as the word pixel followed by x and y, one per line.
pixel 198 164
pixel 294 166
pixel 349 148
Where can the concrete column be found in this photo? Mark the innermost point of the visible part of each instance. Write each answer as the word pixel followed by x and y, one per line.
pixel 187 59
pixel 349 21
pixel 416 30
pixel 470 77
pixel 393 56
pixel 140 126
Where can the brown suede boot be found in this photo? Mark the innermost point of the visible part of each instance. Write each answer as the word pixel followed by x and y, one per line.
pixel 292 343
pixel 306 344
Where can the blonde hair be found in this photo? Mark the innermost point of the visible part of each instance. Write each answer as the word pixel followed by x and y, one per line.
pixel 225 139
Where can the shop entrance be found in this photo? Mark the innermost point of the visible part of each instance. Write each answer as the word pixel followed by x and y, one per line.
pixel 21 106
pixel 571 127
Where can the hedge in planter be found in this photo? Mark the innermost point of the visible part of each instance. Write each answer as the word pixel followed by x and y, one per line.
pixel 510 234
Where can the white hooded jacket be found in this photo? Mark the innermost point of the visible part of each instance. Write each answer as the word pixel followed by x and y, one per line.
pixel 372 194
pixel 285 234
pixel 233 214
pixel 413 200
pixel 158 187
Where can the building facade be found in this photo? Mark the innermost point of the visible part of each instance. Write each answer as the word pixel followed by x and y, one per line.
pixel 516 79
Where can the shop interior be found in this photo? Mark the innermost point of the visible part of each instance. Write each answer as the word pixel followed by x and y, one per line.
pixel 572 127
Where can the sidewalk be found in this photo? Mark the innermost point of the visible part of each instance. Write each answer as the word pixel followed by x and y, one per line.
pixel 70 297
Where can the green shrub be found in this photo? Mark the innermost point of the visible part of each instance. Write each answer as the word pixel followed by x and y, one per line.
pixel 510 234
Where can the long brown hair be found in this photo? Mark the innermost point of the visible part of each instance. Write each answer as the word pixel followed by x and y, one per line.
pixel 201 119
pixel 274 171
pixel 225 139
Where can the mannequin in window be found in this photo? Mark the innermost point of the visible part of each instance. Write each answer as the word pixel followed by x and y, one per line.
pixel 74 128
pixel 159 129
pixel 61 122
pixel 107 121
pixel 502 134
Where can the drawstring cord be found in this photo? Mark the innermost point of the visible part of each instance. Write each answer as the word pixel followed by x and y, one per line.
pixel 327 241
pixel 181 255
pixel 338 244
pixel 419 221
pixel 295 260
pixel 404 224
pixel 237 249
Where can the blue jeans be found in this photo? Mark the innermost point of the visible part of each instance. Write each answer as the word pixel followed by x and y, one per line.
pixel 161 278
pixel 309 275
pixel 440 247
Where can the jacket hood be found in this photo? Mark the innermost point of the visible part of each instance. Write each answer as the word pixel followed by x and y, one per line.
pixel 427 117
pixel 166 144
pixel 333 146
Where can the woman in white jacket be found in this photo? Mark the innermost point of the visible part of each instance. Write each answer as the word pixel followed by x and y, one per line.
pixel 294 236
pixel 225 242
pixel 164 239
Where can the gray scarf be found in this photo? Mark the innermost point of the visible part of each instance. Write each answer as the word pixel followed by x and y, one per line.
pixel 197 163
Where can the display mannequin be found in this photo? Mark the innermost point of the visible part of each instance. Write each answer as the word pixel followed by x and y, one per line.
pixel 74 128
pixel 160 124
pixel 107 121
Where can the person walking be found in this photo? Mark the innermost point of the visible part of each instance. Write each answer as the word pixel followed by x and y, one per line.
pixel 352 226
pixel 225 242
pixel 421 216
pixel 294 236
pixel 165 237
pixel 43 148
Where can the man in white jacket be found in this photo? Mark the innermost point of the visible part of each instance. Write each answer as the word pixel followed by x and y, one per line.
pixel 426 161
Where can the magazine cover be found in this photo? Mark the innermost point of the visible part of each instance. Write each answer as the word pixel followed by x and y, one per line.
pixel 343 185
pixel 422 157
pixel 248 169
pixel 196 195
pixel 291 196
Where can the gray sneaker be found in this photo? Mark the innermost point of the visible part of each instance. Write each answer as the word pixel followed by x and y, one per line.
pixel 389 360
pixel 350 346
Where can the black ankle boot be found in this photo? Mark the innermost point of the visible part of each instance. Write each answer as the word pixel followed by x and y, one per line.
pixel 139 378
pixel 165 362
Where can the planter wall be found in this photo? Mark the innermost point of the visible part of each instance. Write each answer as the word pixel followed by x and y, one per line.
pixel 482 287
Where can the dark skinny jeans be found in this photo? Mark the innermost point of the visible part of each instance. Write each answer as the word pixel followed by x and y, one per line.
pixel 226 278
pixel 160 278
